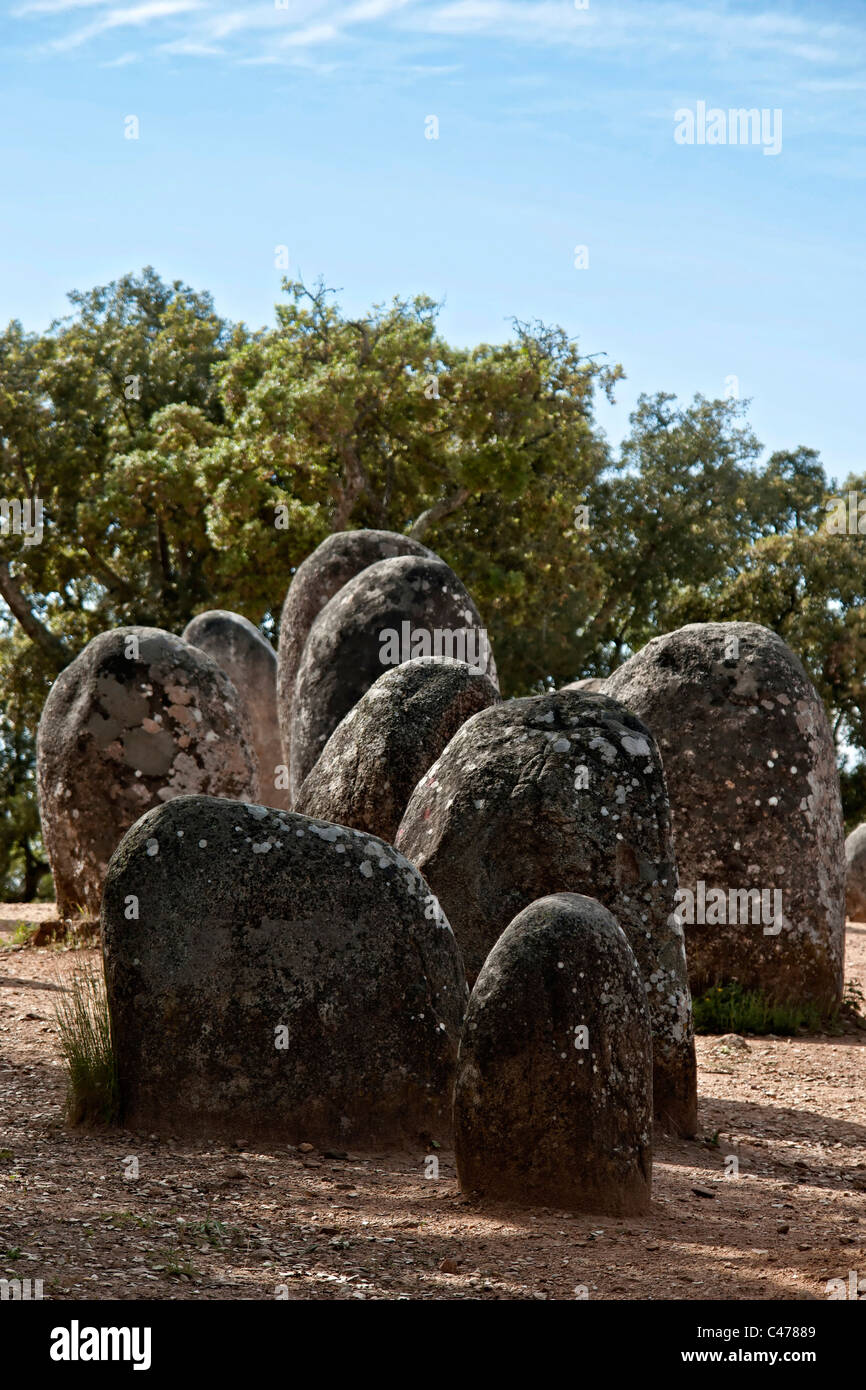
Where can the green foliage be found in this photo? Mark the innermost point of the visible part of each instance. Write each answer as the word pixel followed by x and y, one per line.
pixel 214 1232
pixel 185 463
pixel 23 933
pixel 482 453
pixel 179 1266
pixel 731 1009
pixel 853 1006
pixel 24 873
pixel 84 1026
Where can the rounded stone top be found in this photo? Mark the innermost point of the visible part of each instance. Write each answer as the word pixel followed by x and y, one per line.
pixel 378 619
pixel 321 575
pixel 370 765
pixel 221 626
pixel 138 717
pixel 734 660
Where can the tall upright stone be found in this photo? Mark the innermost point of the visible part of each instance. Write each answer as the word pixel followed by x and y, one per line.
pixel 274 976
pixel 751 770
pixel 562 793
pixel 138 717
pixel 315 582
pixel 553 1098
pixel 369 767
pixel 855 874
pixel 250 661
pixel 389 613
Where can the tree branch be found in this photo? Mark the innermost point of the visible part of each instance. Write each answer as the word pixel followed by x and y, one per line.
pixel 23 613
pixel 444 507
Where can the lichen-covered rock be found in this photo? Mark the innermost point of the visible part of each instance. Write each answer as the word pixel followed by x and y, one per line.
pixel 375 756
pixel 592 683
pixel 250 661
pixel 332 564
pixel 855 874
pixel 392 611
pixel 553 1098
pixel 562 793
pixel 754 791
pixel 138 717
pixel 273 975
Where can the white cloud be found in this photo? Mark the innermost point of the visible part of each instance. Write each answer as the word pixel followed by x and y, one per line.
pixel 314 33
pixel 123 61
pixel 189 48
pixel 371 9
pixel 136 16
pixel 791 46
pixel 37 7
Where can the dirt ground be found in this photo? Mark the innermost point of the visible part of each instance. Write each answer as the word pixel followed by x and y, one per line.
pixel 207 1221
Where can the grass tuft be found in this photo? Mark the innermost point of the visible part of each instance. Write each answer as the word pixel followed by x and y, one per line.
pixel 731 1009
pixel 23 933
pixel 85 1040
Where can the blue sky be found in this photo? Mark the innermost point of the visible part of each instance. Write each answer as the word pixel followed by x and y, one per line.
pixel 304 126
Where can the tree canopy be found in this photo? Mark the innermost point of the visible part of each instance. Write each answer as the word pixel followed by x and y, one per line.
pixel 183 462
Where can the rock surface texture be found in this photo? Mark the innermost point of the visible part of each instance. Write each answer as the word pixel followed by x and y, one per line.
pixel 855 876
pixel 332 564
pixel 553 1100
pixel 562 793
pixel 251 663
pixel 386 615
pixel 371 763
pixel 751 771
pixel 138 717
pixel 592 683
pixel 273 975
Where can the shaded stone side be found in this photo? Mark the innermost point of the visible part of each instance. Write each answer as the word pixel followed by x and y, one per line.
pixel 375 756
pixel 273 975
pixel 553 1099
pixel 562 793
pixel 315 582
pixel 360 634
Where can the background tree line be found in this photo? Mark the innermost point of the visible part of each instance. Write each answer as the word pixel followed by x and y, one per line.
pixel 184 462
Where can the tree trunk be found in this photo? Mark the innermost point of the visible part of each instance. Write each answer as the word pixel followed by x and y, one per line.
pixel 34 870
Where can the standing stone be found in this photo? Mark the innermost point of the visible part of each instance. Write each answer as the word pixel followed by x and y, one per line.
pixel 592 683
pixel 751 770
pixel 562 793
pixel 275 976
pixel 855 876
pixel 392 611
pixel 138 717
pixel 553 1098
pixel 250 661
pixel 385 744
pixel 332 564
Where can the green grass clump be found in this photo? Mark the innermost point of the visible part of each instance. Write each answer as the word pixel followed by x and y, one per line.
pixel 177 1266
pixel 214 1232
pixel 85 1040
pixel 731 1009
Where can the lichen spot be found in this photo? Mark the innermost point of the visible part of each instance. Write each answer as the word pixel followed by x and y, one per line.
pixel 638 747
